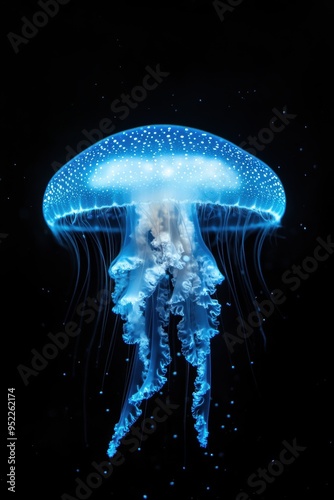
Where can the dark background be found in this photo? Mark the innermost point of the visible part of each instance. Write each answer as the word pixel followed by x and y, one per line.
pixel 225 76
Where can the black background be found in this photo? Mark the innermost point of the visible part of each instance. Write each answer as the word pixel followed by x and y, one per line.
pixel 225 76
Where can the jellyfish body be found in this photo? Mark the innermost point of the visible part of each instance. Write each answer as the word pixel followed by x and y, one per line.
pixel 166 184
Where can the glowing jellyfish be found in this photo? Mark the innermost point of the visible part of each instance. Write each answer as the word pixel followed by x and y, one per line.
pixel 163 187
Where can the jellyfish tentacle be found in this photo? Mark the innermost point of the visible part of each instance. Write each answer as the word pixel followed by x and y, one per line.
pixel 195 334
pixel 130 412
pixel 195 330
pixel 155 350
pixel 140 297
pixel 164 245
pixel 152 356
pixel 194 286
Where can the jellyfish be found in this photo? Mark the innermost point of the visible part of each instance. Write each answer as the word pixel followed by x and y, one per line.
pixel 163 187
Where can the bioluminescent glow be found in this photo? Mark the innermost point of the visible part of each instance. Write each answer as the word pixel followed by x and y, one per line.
pixel 164 187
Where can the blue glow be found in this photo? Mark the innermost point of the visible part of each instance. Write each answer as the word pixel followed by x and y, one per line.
pixel 163 187
pixel 161 163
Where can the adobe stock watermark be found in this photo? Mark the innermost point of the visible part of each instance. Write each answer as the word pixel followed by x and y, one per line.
pixel 293 278
pixel 121 107
pixel 223 7
pixel 133 440
pixel 59 341
pixel 277 123
pixel 30 28
pixel 260 479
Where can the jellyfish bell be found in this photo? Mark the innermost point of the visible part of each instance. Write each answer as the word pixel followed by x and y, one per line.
pixel 163 187
pixel 161 163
